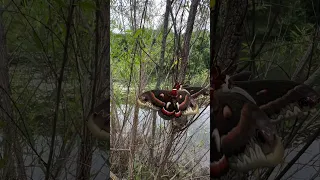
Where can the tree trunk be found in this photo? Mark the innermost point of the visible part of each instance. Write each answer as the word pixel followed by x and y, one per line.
pixel 99 83
pixel 230 45
pixel 160 76
pixel 187 39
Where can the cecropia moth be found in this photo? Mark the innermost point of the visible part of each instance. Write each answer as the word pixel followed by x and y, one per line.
pixel 173 103
pixel 243 134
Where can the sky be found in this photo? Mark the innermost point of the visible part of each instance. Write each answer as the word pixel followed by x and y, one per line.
pixel 158 10
pixel 155 13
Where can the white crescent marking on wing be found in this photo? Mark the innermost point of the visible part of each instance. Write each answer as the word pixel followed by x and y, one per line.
pixel 217 140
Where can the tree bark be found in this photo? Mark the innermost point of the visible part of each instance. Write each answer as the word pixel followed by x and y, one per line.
pixel 230 45
pixel 99 83
pixel 160 75
pixel 186 43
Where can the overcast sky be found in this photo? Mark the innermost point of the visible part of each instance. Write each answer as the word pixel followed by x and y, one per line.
pixel 155 14
pixel 119 7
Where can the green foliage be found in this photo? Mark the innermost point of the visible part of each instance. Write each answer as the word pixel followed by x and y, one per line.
pixel 200 56
pixel 198 79
pixel 124 57
pixel 287 41
pixel 36 32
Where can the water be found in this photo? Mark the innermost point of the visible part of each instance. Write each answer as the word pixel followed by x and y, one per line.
pixel 35 170
pixel 305 167
pixel 198 147
pixel 198 133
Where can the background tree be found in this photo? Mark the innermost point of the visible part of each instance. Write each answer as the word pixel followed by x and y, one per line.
pixel 154 44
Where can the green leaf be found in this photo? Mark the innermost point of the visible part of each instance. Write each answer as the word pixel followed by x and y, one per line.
pixel 137 62
pixel 244 59
pixel 201 143
pixel 245 44
pixel 299 30
pixel 294 34
pixel 138 32
pixel 175 62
